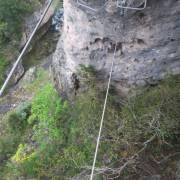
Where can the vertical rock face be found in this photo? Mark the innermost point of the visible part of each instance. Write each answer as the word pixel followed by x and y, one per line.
pixel 148 43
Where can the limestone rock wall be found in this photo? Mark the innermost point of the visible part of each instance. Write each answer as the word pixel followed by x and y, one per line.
pixel 148 43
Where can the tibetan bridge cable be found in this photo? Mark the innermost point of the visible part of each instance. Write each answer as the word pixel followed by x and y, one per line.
pixel 119 4
pixel 25 48
pixel 103 114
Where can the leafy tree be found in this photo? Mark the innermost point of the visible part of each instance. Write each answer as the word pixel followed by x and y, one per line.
pixel 11 16
pixel 64 135
pixel 3 65
pixel 3 29
pixel 46 109
pixel 17 120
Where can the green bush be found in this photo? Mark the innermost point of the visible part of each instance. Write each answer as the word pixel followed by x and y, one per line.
pixel 46 109
pixel 17 120
pixel 155 111
pixel 3 29
pixel 64 135
pixel 15 124
pixel 42 116
pixel 3 66
pixel 11 17
pixel 45 113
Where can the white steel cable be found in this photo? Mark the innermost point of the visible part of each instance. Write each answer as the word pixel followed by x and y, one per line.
pixel 103 114
pixel 132 8
pixel 79 2
pixel 24 49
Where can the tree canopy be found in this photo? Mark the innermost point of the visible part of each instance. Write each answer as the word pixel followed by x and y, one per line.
pixel 11 16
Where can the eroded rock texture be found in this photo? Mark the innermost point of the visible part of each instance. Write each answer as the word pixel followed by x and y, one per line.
pixel 148 43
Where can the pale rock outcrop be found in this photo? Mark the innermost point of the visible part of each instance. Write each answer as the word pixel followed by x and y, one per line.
pixel 147 43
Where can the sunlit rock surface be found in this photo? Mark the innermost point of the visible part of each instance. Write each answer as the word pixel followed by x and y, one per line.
pixel 147 43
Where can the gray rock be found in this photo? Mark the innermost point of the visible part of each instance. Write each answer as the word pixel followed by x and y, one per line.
pixel 17 74
pixel 111 7
pixel 57 20
pixel 30 75
pixel 178 174
pixel 148 44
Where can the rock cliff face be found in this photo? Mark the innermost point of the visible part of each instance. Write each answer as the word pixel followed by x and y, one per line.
pixel 148 43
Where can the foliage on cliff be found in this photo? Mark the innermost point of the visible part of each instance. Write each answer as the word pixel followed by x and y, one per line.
pixel 54 139
pixel 3 65
pixel 12 13
pixel 11 17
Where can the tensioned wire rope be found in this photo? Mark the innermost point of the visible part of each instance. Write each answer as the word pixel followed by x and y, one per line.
pixel 109 80
pixel 103 113
pixel 24 49
pixel 118 4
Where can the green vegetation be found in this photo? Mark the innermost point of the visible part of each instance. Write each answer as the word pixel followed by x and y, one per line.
pixel 12 13
pixel 154 111
pixel 3 65
pixel 17 120
pixel 12 130
pixel 11 18
pixel 41 78
pixel 49 138
pixel 56 140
